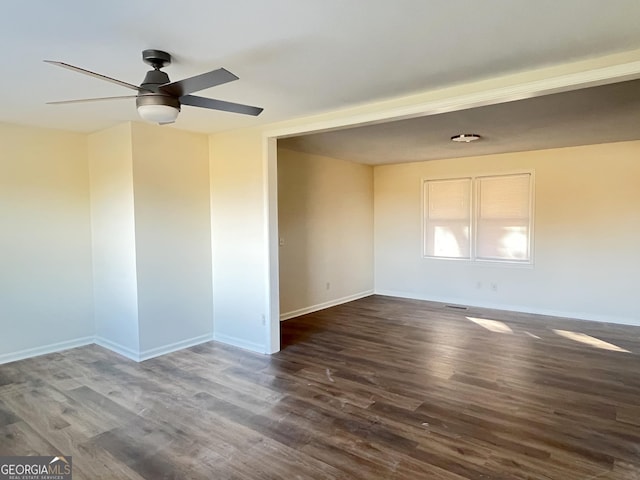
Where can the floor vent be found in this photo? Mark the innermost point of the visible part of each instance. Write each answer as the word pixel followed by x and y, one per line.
pixel 457 307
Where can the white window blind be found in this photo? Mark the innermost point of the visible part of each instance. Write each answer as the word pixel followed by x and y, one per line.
pixel 482 218
pixel 448 218
pixel 503 217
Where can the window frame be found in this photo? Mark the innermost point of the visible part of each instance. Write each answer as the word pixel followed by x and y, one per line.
pixel 473 226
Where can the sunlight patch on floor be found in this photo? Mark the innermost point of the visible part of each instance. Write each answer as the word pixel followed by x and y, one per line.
pixel 589 340
pixel 493 325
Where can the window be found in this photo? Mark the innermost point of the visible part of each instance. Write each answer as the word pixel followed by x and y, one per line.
pixel 448 218
pixel 479 218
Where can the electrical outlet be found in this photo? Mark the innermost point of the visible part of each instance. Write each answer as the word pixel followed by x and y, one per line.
pixel 494 286
pixel 281 241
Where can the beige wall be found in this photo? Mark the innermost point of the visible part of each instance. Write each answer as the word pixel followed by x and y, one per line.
pixel 325 219
pixel 238 226
pixel 173 237
pixel 586 235
pixel 45 246
pixel 151 238
pixel 113 236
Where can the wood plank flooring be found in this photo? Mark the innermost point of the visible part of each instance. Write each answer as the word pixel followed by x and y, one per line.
pixel 377 388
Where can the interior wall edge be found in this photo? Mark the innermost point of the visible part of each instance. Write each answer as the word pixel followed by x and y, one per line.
pixel 272 271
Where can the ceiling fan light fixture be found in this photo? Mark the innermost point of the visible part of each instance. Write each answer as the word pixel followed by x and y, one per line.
pixel 158 113
pixel 159 109
pixel 466 138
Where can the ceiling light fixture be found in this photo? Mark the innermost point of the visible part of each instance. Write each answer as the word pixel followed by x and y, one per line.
pixel 158 108
pixel 466 137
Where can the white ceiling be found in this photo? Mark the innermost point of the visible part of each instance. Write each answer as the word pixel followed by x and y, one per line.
pixel 603 114
pixel 293 57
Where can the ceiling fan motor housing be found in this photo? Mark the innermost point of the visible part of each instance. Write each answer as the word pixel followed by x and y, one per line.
pixel 153 79
pixel 158 99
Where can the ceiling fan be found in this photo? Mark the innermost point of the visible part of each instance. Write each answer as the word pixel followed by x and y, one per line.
pixel 159 100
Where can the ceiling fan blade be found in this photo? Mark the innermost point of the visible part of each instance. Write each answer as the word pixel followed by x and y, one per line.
pixel 197 83
pixel 220 105
pixel 95 75
pixel 83 100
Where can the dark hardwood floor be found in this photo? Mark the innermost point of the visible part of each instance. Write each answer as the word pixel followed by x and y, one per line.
pixel 377 388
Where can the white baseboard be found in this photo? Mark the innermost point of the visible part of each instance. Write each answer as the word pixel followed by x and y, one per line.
pixel 128 352
pixel 116 347
pixel 45 349
pixel 190 342
pixel 322 306
pixel 238 342
pixel 516 308
pixel 152 352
